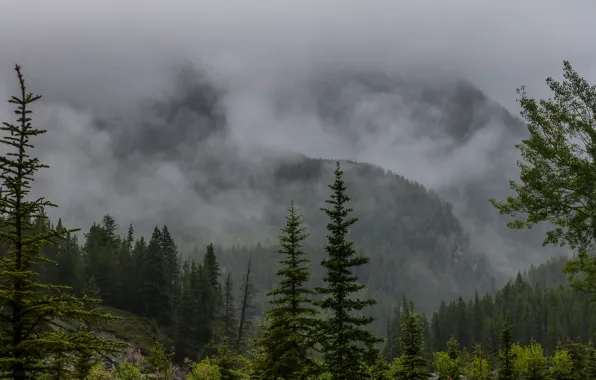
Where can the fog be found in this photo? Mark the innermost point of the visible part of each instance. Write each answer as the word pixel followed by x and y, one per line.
pixel 110 60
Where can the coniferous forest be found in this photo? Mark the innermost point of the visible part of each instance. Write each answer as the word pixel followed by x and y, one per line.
pixel 92 304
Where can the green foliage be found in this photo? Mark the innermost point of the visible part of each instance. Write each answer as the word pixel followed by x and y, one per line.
pixel 204 370
pixel 99 372
pixel 290 325
pixel 547 312
pixel 230 363
pixel 561 366
pixel 35 313
pixel 380 369
pixel 583 359
pixel 446 366
pixel 530 362
pixel 397 368
pixel 558 173
pixel 477 369
pixel 340 333
pixel 135 330
pixel 160 363
pixel 127 371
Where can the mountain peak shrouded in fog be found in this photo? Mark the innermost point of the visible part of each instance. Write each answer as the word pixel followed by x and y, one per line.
pixel 184 156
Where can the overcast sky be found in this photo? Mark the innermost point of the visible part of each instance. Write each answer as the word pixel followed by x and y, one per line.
pixel 102 54
pixel 497 44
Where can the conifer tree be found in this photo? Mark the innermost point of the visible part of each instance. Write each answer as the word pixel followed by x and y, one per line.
pixel 506 354
pixel 289 325
pixel 127 290
pixel 68 260
pixel 155 290
pixel 187 314
pixel 32 336
pixel 392 346
pixel 138 275
pixel 212 296
pixel 347 345
pixel 415 366
pixel 171 263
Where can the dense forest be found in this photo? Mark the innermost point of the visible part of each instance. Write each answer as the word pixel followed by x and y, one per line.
pixel 305 306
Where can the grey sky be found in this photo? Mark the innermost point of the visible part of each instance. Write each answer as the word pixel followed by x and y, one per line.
pixel 87 57
pixel 497 44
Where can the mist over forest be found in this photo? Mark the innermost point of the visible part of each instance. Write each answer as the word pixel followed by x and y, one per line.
pixel 186 130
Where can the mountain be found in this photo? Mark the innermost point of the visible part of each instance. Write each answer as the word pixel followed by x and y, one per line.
pixel 444 133
pixel 178 160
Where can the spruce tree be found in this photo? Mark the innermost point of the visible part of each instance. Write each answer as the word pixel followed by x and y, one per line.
pixel 289 324
pixel 506 354
pixel 172 265
pixel 127 291
pixel 212 293
pixel 35 315
pixel 138 275
pixel 347 345
pixel 155 288
pixel 415 366
pixel 187 314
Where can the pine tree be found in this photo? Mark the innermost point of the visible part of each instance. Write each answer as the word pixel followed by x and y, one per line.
pixel 212 296
pixel 32 336
pixel 392 346
pixel 187 314
pixel 138 275
pixel 347 346
pixel 506 355
pixel 211 266
pixel 68 260
pixel 171 263
pixel 289 326
pixel 415 366
pixel 127 291
pixel 155 290
pixel 204 318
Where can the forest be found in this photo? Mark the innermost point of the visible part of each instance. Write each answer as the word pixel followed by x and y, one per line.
pixel 98 305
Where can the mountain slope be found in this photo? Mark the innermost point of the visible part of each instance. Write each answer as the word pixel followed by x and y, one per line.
pixel 179 160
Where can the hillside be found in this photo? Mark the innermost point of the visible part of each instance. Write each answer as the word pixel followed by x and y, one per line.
pixel 211 177
pixel 183 161
pixel 416 245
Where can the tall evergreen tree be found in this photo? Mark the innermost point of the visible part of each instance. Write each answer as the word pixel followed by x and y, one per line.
pixel 506 354
pixel 171 263
pixel 127 290
pixel 212 292
pixel 289 326
pixel 138 275
pixel 415 366
pixel 346 343
pixel 32 337
pixel 186 314
pixel 155 294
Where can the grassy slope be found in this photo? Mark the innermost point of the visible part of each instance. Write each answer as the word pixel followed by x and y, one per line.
pixel 138 331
